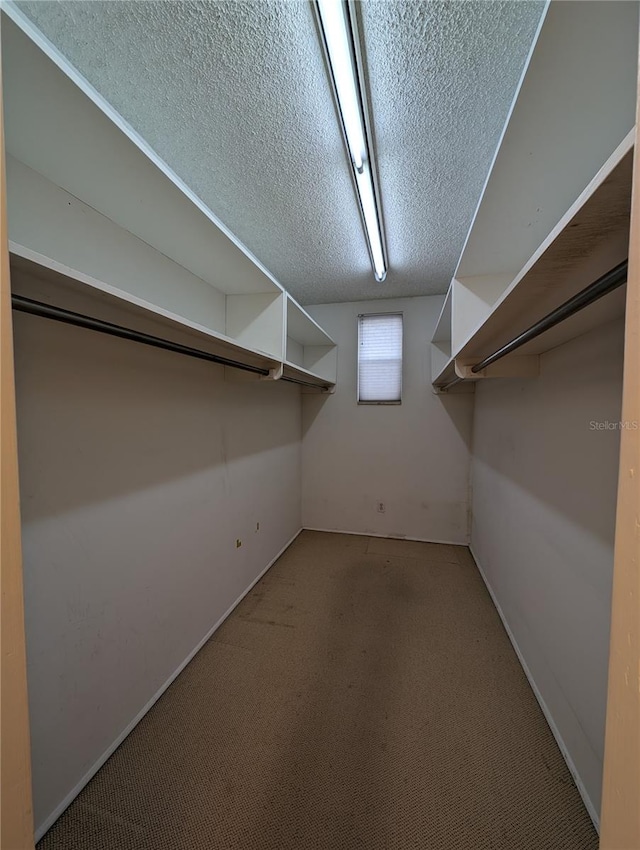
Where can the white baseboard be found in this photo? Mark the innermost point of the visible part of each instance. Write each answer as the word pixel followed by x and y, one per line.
pixel 53 817
pixel 385 536
pixel 586 799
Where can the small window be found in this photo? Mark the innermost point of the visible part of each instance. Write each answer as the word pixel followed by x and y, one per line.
pixel 380 358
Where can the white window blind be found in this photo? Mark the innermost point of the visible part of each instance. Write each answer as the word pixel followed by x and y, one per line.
pixel 380 358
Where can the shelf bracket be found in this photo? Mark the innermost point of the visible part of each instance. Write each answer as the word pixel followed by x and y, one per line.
pixel 274 374
pixel 524 366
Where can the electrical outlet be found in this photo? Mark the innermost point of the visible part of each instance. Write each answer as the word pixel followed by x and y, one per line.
pixel 238 543
pixel 380 507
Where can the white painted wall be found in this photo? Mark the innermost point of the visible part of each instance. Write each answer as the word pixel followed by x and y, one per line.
pixel 139 469
pixel 413 457
pixel 544 496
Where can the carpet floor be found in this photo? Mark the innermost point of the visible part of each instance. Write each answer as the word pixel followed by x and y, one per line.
pixel 363 695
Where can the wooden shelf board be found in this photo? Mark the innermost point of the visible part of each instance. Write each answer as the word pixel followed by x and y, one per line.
pixel 440 357
pixel 292 370
pixel 60 127
pixel 67 288
pixel 575 103
pixel 448 373
pixel 590 239
pixel 302 328
pixel 442 332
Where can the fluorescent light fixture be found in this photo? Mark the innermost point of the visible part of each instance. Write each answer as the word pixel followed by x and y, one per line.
pixel 364 182
pixel 337 29
pixel 343 69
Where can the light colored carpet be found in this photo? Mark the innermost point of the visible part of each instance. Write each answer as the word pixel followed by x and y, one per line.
pixel 363 695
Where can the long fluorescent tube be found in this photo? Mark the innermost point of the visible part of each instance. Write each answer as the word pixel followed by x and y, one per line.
pixel 335 24
pixel 364 183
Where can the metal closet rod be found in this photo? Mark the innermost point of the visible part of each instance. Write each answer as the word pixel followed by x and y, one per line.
pixel 59 314
pixel 600 287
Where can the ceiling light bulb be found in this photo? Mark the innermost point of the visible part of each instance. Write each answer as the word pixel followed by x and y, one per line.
pixel 337 38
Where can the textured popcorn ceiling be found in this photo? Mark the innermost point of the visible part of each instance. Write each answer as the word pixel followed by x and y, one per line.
pixel 235 97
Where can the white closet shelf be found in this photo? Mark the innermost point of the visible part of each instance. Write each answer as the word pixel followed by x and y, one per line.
pixel 305 377
pixel 590 239
pixel 442 332
pixel 442 364
pixel 487 312
pixel 42 279
pixel 574 104
pixel 532 246
pixel 61 128
pixel 311 355
pixel 94 201
pixel 97 221
pixel 442 369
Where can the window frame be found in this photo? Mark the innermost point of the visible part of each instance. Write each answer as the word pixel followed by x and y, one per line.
pixel 358 326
